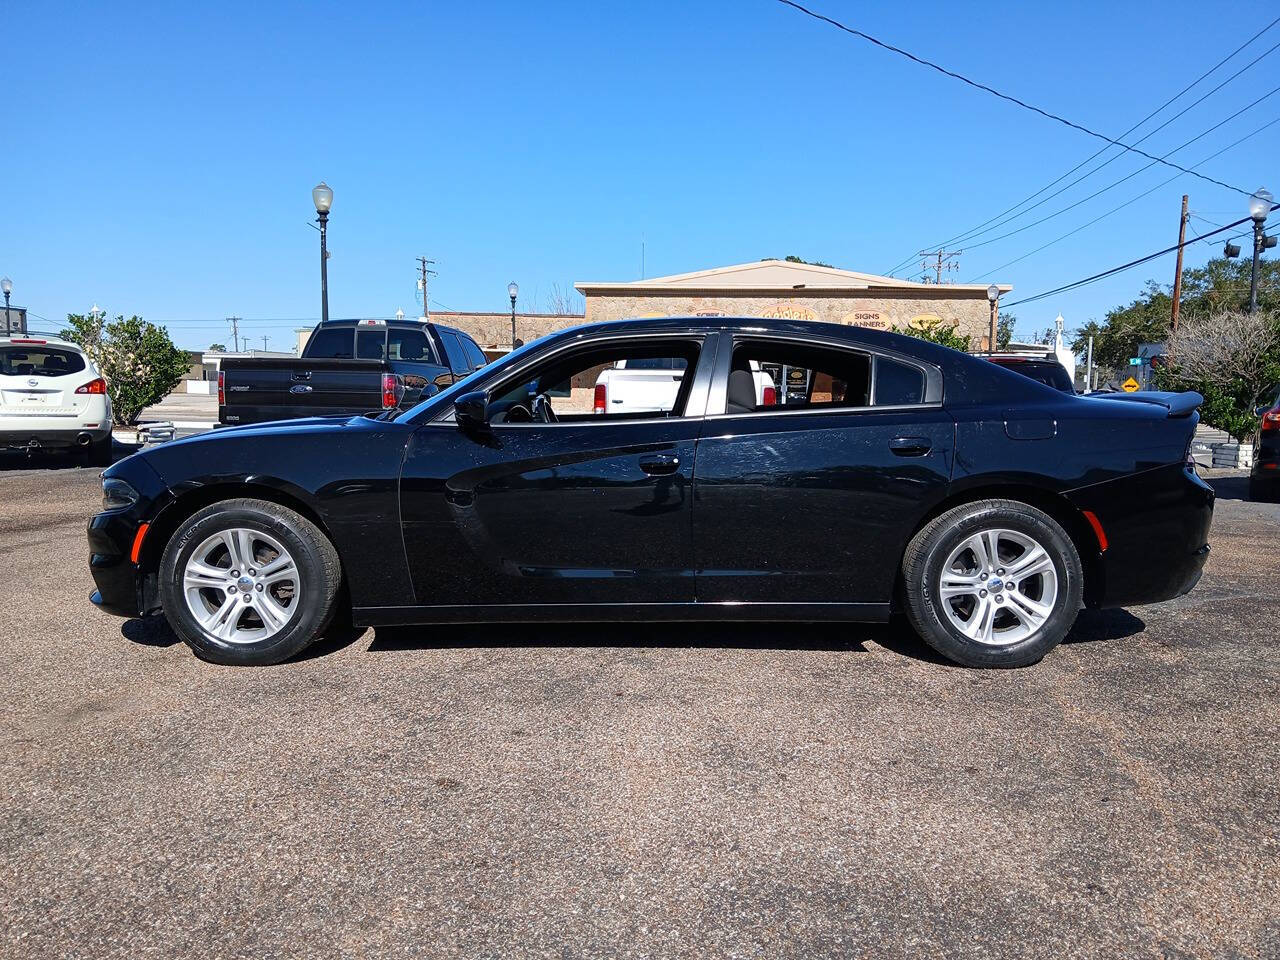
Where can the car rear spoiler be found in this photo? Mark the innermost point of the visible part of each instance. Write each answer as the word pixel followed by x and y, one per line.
pixel 1177 404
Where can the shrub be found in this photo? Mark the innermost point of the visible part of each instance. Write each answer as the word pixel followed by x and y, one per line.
pixel 137 359
pixel 1233 360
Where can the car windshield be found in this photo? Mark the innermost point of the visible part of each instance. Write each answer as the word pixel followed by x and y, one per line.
pixel 23 361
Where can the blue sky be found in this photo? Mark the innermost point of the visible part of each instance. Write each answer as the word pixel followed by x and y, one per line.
pixel 159 158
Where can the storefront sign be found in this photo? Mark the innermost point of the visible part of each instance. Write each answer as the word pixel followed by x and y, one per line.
pixel 789 311
pixel 871 319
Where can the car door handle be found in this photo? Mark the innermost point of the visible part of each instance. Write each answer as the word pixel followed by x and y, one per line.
pixel 910 446
pixel 660 465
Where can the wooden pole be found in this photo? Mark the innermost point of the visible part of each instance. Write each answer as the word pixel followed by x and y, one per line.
pixel 1177 275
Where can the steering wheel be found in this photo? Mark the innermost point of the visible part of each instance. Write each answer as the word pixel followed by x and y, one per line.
pixel 542 411
pixel 518 413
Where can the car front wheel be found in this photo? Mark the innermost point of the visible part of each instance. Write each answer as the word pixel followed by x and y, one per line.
pixel 995 583
pixel 249 582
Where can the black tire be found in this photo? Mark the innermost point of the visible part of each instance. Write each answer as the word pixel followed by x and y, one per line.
pixel 922 569
pixel 319 573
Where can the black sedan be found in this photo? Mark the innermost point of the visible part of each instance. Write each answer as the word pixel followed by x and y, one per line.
pixel 881 474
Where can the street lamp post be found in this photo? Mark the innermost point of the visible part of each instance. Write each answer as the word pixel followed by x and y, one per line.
pixel 513 291
pixel 322 196
pixel 1259 207
pixel 6 285
pixel 993 297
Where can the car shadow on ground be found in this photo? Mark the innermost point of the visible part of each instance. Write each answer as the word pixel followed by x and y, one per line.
pixel 1230 488
pixel 1091 626
pixel 50 460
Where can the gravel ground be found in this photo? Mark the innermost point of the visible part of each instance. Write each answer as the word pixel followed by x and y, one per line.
pixel 667 791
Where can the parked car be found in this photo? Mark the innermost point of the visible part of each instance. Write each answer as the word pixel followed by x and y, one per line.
pixel 1264 478
pixel 347 367
pixel 1039 367
pixel 52 398
pixel 985 506
pixel 649 384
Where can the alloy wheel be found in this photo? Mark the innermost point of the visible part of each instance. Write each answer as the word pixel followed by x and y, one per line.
pixel 241 585
pixel 998 587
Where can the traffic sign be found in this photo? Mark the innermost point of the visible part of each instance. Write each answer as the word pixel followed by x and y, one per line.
pixel 1135 361
pixel 1130 385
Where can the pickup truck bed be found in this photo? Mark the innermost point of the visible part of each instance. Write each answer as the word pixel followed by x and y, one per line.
pixel 254 391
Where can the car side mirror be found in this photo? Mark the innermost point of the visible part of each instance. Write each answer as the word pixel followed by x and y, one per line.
pixel 471 410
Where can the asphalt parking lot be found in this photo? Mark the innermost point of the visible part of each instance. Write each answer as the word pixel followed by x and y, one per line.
pixel 737 791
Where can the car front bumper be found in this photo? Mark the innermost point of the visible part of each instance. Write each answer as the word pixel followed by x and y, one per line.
pixel 119 548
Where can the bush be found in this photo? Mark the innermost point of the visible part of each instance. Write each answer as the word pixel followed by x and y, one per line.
pixel 137 359
pixel 940 333
pixel 1233 360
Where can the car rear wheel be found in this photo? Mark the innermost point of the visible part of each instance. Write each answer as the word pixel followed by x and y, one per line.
pixel 249 582
pixel 996 583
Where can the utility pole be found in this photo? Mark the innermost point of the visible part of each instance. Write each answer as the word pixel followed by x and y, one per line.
pixel 235 333
pixel 1177 274
pixel 423 264
pixel 942 260
pixel 265 338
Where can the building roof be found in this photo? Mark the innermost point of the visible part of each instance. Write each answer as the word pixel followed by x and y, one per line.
pixel 779 276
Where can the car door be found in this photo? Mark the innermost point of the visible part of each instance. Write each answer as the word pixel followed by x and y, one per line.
pixel 811 499
pixel 590 509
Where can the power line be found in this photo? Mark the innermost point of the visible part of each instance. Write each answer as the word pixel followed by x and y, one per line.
pixel 977 233
pixel 1129 176
pixel 1130 265
pixel 972 231
pixel 1117 209
pixel 1003 96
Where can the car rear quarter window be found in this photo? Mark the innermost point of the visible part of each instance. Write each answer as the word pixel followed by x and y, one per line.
pixel 334 343
pixel 39 361
pixel 457 359
pixel 897 383
pixel 474 354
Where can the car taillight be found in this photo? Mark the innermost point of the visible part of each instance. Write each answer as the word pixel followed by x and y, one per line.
pixel 222 387
pixel 93 386
pixel 770 397
pixel 1271 420
pixel 392 391
pixel 602 398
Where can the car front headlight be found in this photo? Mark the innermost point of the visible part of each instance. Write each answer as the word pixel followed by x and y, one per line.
pixel 117 495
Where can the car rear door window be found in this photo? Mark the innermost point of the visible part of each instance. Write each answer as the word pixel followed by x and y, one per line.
pixel 334 343
pixel 777 376
pixel 897 383
pixel 39 361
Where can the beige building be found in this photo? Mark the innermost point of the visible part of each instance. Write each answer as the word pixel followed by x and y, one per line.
pixel 797 291
pixel 766 288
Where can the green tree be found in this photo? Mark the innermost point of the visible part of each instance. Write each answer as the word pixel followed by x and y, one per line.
pixel 1005 322
pixel 1221 285
pixel 218 347
pixel 137 359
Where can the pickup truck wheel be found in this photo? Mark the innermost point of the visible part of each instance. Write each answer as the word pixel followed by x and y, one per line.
pixel 249 582
pixel 995 583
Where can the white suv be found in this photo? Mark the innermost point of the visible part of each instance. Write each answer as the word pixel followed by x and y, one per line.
pixel 52 398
